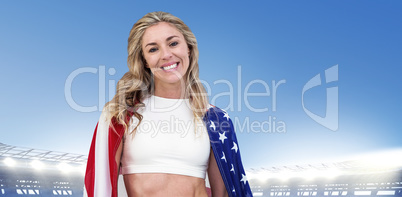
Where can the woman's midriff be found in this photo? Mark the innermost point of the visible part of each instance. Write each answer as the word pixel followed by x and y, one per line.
pixel 160 184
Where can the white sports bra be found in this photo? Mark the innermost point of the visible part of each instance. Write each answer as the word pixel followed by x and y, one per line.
pixel 166 140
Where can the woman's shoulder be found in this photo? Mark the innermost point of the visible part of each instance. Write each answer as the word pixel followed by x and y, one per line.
pixel 217 113
pixel 211 107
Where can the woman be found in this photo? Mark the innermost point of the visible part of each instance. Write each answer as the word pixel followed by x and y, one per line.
pixel 159 130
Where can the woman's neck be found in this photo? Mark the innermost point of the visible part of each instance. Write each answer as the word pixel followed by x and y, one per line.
pixel 169 91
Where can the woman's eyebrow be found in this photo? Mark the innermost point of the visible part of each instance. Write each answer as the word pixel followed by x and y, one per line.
pixel 152 43
pixel 170 37
pixel 167 39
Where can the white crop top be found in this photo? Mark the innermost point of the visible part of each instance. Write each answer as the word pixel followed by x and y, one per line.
pixel 166 140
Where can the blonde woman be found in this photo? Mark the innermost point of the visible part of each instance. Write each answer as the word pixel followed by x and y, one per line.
pixel 159 131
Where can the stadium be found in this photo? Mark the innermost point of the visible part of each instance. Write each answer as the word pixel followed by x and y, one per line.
pixel 32 172
pixel 376 174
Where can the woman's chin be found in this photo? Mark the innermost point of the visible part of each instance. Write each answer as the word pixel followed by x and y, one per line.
pixel 173 80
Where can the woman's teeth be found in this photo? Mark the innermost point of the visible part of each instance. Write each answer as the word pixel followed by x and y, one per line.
pixel 169 67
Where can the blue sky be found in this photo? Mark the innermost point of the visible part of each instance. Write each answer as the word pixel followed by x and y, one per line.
pixel 43 42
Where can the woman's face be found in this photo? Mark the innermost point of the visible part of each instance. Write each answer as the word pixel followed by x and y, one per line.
pixel 166 54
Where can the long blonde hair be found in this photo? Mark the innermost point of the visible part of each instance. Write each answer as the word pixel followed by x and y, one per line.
pixel 137 83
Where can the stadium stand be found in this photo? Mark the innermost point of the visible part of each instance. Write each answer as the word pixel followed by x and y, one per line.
pixel 373 175
pixel 32 172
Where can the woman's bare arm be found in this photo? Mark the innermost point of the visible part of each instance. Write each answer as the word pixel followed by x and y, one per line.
pixel 218 188
pixel 118 157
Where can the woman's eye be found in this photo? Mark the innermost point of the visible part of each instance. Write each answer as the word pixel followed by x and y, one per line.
pixel 174 44
pixel 152 50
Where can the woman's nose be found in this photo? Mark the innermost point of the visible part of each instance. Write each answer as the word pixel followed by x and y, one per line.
pixel 166 53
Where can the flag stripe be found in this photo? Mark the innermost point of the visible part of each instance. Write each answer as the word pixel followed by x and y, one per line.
pixel 102 170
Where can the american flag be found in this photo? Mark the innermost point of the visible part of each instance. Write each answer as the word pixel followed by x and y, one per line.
pixel 101 177
pixel 226 150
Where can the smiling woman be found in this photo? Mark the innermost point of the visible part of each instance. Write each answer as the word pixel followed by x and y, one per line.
pixel 167 55
pixel 162 89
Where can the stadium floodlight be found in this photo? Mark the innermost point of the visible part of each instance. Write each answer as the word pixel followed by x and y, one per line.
pixel 38 165
pixel 65 167
pixel 332 173
pixel 382 160
pixel 285 175
pixel 261 176
pixel 311 174
pixel 9 162
pixel 308 174
pixel 83 168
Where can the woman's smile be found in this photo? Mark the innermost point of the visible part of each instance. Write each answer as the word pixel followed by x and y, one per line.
pixel 170 66
pixel 167 55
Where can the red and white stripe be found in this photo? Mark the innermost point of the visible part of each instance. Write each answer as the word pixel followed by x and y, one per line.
pixel 102 171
